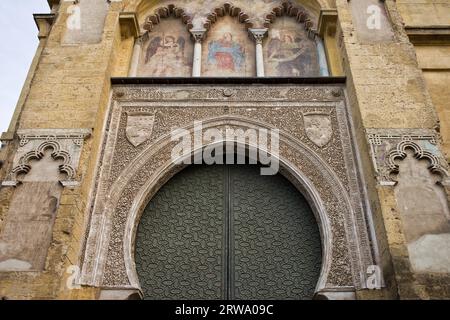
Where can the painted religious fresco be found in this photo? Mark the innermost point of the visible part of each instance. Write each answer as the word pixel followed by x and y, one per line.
pixel 228 51
pixel 199 10
pixel 167 51
pixel 288 52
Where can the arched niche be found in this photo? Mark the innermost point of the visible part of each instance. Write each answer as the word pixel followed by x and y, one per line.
pixel 225 36
pixel 228 50
pixel 166 49
pixel 198 10
pixel 292 48
pixel 288 52
pixel 423 203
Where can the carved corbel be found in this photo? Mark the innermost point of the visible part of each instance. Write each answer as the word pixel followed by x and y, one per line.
pixel 44 23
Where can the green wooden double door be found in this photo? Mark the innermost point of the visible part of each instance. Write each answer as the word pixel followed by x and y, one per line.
pixel 227 232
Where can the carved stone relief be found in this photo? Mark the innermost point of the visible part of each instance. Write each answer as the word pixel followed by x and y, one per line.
pixel 139 127
pixel 45 162
pixel 318 128
pixel 65 145
pixel 410 161
pixel 324 172
pixel 389 145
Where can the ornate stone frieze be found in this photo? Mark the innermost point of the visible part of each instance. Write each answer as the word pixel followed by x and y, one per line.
pixel 388 146
pixel 65 146
pixel 241 93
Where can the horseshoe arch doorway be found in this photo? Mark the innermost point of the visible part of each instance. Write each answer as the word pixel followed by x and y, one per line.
pixel 227 232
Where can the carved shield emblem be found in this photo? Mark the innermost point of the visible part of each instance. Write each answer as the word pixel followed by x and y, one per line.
pixel 318 128
pixel 139 127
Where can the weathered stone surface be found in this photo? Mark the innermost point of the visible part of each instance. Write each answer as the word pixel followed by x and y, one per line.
pixel 27 233
pixel 391 83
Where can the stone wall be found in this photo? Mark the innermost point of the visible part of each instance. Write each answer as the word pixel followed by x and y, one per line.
pixel 387 88
pixel 391 84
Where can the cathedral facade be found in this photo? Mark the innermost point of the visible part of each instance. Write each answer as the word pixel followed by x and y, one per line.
pixel 246 149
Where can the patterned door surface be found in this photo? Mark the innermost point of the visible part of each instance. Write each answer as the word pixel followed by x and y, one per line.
pixel 226 232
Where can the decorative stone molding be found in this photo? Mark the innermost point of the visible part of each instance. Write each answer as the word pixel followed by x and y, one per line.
pixel 52 3
pixel 230 10
pixel 288 9
pixel 165 12
pixel 388 146
pixel 424 35
pixel 130 176
pixel 124 294
pixel 65 144
pixel 336 294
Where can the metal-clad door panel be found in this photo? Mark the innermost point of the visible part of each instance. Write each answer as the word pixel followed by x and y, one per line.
pixel 179 243
pixel 226 232
pixel 277 246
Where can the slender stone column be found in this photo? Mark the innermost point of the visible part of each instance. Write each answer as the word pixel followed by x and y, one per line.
pixel 136 56
pixel 323 64
pixel 198 35
pixel 258 35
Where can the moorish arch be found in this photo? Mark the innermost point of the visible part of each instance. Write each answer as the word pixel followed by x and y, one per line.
pixel 221 47
pixel 250 237
pixel 143 6
pixel 293 47
pixel 113 229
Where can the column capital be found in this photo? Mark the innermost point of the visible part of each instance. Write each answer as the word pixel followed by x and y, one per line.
pixel 258 34
pixel 198 34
